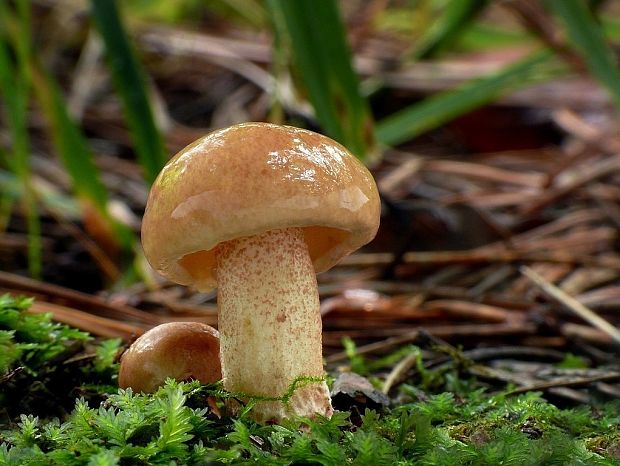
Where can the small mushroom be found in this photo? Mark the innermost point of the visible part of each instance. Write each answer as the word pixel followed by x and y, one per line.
pixel 257 210
pixel 179 350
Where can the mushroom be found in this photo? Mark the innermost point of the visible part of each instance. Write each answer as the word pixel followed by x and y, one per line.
pixel 179 350
pixel 257 210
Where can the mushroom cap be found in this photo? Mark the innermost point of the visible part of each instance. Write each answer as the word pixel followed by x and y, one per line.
pixel 250 178
pixel 179 350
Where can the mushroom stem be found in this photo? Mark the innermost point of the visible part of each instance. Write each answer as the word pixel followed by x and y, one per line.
pixel 270 323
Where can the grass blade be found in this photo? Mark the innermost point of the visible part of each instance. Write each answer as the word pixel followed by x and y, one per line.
pixel 66 136
pixel 458 15
pixel 15 90
pixel 69 142
pixel 130 85
pixel 441 108
pixel 74 152
pixel 323 60
pixel 587 37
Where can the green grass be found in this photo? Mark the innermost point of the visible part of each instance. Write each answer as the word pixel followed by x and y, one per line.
pixel 440 108
pixel 69 142
pixel 75 155
pixel 483 36
pixel 67 138
pixel 323 63
pixel 457 17
pixel 15 84
pixel 586 36
pixel 311 42
pixel 131 86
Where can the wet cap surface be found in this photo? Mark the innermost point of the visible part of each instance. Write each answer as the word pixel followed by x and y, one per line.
pixel 251 178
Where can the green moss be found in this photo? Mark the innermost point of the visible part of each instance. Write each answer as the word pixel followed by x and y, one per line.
pixel 572 361
pixel 44 365
pixel 175 426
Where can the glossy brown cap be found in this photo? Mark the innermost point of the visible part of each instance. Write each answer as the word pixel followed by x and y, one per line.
pixel 251 178
pixel 179 350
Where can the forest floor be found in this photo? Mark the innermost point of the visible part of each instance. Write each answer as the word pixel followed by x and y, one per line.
pixel 494 279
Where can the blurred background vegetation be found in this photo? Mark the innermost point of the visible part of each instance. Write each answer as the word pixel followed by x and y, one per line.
pixel 95 96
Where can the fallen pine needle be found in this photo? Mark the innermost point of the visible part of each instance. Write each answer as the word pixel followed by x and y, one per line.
pixel 567 383
pixel 571 303
pixel 399 370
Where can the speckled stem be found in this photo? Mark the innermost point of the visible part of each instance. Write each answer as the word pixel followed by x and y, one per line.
pixel 270 323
